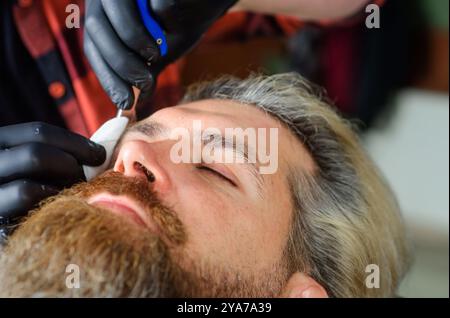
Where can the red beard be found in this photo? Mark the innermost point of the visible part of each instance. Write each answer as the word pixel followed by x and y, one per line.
pixel 115 258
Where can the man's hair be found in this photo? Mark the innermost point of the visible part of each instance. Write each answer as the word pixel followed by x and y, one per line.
pixel 346 216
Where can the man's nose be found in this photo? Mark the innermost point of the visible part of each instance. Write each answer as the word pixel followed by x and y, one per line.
pixel 141 159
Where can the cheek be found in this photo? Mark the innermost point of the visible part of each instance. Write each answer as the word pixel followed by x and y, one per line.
pixel 208 218
pixel 275 226
pixel 226 230
pixel 277 220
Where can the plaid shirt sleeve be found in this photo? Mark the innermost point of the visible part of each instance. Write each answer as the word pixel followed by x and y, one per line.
pixel 58 52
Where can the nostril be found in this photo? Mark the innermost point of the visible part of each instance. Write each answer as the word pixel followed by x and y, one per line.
pixel 149 175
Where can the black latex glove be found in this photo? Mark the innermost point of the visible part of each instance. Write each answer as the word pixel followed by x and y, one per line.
pixel 37 161
pixel 123 53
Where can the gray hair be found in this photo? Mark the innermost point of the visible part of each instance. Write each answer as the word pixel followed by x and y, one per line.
pixel 346 217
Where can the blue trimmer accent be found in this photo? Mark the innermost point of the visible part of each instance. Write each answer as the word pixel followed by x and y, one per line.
pixel 153 26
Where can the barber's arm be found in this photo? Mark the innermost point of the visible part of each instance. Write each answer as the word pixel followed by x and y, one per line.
pixel 304 9
pixel 37 161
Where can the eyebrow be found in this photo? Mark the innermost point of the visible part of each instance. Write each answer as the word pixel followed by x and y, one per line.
pixel 238 149
pixel 150 129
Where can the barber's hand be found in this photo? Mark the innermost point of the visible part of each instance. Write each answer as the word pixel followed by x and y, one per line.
pixel 123 53
pixel 37 161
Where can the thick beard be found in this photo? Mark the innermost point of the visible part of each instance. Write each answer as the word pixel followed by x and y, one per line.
pixel 115 258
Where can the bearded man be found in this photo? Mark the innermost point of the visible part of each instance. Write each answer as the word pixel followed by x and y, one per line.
pixel 153 227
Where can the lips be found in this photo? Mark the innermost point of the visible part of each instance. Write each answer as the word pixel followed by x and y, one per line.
pixel 126 208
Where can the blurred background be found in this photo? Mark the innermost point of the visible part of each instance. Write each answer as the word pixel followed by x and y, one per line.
pixel 393 82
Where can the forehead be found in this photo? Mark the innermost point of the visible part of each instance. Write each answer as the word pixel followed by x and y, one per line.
pixel 224 114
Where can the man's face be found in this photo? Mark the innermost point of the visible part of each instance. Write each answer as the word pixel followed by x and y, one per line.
pixel 223 223
pixel 241 223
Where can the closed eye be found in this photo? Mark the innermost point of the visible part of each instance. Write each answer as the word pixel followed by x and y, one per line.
pixel 217 174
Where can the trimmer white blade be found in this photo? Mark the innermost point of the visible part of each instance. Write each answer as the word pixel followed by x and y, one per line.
pixel 108 136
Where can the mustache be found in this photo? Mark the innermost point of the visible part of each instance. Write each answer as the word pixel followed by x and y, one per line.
pixel 139 190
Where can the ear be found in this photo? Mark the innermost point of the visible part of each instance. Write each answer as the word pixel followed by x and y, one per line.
pixel 303 286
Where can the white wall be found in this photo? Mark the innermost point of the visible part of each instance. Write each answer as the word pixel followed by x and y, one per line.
pixel 412 150
pixel 411 147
